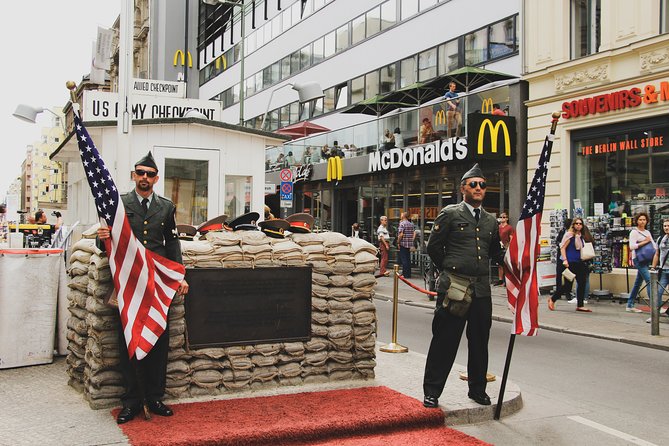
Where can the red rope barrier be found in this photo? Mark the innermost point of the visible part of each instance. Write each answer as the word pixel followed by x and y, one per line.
pixel 417 288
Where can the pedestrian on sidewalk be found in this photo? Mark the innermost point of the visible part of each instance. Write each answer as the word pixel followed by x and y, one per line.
pixel 462 241
pixel 384 245
pixel 559 267
pixel 405 235
pixel 660 259
pixel 570 252
pixel 639 237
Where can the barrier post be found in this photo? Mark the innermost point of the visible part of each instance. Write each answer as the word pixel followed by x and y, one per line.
pixel 654 305
pixel 394 347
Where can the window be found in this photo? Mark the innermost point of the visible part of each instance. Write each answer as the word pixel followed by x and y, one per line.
pixel 295 62
pixel 407 71
pixel 294 112
pixel 371 84
pixel 427 64
pixel 449 56
pixel 329 101
pixel 285 67
pixel 373 19
pixel 318 50
pixel 424 4
pixel 387 79
pixel 330 44
pixel 476 47
pixel 342 38
pixel 238 192
pixel 664 16
pixel 342 96
pixel 388 14
pixel 502 38
pixel 358 29
pixel 409 8
pixel 585 27
pixel 357 89
pixel 305 57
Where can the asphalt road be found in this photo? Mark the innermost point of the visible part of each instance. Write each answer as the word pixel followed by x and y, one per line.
pixel 576 390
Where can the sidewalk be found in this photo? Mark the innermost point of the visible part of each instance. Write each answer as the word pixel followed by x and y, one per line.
pixel 608 320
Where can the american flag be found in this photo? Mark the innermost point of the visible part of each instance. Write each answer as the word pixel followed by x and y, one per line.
pixel 144 281
pixel 522 288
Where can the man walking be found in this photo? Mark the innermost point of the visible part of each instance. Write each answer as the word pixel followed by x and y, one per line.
pixel 384 245
pixel 463 240
pixel 405 235
pixel 152 220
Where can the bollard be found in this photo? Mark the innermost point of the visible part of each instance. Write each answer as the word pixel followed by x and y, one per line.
pixel 394 347
pixel 654 305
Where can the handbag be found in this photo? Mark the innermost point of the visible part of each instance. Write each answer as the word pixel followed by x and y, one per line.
pixel 568 274
pixel 458 299
pixel 587 251
pixel 645 254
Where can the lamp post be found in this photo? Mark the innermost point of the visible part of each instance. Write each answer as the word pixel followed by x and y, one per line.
pixel 29 114
pixel 242 22
pixel 307 92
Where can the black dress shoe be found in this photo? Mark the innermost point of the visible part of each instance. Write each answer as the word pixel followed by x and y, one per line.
pixel 159 408
pixel 481 398
pixel 126 414
pixel 430 401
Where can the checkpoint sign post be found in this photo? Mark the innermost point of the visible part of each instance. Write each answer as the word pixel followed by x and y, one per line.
pixel 286 191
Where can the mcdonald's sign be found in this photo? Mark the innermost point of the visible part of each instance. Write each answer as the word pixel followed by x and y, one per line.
pixel 221 60
pixel 440 118
pixel 493 136
pixel 335 172
pixel 179 56
pixel 486 106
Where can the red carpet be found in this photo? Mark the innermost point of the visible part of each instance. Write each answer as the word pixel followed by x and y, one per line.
pixel 364 416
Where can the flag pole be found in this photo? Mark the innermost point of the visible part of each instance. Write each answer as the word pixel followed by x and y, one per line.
pixel 507 365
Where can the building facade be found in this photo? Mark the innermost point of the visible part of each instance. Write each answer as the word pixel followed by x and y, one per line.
pixel 609 80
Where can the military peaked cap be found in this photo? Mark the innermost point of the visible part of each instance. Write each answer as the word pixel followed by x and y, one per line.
pixel 186 232
pixel 215 224
pixel 246 222
pixel 274 228
pixel 301 223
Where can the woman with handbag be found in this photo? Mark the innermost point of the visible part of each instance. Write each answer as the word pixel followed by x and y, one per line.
pixel 643 249
pixel 660 260
pixel 570 252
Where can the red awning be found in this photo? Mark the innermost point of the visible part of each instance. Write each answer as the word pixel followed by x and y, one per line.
pixel 302 129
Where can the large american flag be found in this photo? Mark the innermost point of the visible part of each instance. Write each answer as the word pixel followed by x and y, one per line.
pixel 522 288
pixel 144 281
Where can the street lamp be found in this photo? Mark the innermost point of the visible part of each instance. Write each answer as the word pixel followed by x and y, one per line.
pixel 241 48
pixel 307 92
pixel 28 113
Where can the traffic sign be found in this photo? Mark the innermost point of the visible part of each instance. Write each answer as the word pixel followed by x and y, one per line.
pixel 286 190
pixel 286 175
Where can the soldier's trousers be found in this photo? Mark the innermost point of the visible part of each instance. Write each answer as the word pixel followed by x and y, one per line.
pixel 446 334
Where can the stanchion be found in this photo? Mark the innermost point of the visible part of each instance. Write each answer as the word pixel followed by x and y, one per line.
pixel 394 347
pixel 654 305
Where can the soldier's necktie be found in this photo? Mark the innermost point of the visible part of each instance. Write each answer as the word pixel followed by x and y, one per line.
pixel 477 214
pixel 145 205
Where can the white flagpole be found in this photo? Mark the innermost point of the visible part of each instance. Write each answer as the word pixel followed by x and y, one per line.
pixel 125 75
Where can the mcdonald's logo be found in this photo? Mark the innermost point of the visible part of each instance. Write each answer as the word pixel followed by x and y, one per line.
pixel 486 106
pixel 494 131
pixel 440 118
pixel 179 56
pixel 335 171
pixel 221 59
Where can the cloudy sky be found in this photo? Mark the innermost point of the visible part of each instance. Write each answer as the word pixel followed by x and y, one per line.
pixel 44 44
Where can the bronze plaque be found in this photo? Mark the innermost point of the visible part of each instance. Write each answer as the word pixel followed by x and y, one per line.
pixel 241 306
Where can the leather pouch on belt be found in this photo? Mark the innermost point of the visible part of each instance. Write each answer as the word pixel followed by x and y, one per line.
pixel 459 296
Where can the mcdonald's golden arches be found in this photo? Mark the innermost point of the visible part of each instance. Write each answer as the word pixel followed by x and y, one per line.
pixel 179 56
pixel 486 106
pixel 440 118
pixel 494 131
pixel 335 171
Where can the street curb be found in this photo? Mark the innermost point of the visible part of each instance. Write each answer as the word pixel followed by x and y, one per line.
pixel 555 328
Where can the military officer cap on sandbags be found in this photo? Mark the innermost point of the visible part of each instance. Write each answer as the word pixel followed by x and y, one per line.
pixel 246 222
pixel 474 172
pixel 186 232
pixel 274 228
pixel 147 161
pixel 300 223
pixel 215 224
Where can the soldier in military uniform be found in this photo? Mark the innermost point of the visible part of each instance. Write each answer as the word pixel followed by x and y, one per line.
pixel 463 240
pixel 152 219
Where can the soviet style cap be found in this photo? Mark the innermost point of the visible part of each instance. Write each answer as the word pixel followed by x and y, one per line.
pixel 147 161
pixel 215 224
pixel 475 171
pixel 186 232
pixel 274 228
pixel 301 223
pixel 246 222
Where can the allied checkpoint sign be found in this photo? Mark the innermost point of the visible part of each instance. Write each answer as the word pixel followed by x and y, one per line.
pixel 103 106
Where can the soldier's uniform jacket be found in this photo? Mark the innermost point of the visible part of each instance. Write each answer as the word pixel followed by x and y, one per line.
pixel 157 229
pixel 460 245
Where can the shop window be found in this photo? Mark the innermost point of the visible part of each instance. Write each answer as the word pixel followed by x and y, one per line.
pixel 409 8
pixel 585 27
pixel 476 47
pixel 407 71
pixel 388 14
pixel 186 184
pixel 373 19
pixel 427 64
pixel 502 38
pixel 358 29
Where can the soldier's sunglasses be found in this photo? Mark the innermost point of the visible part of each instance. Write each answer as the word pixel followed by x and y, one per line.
pixel 148 173
pixel 473 184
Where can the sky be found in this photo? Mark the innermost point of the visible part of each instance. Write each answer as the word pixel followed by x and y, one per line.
pixel 44 44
